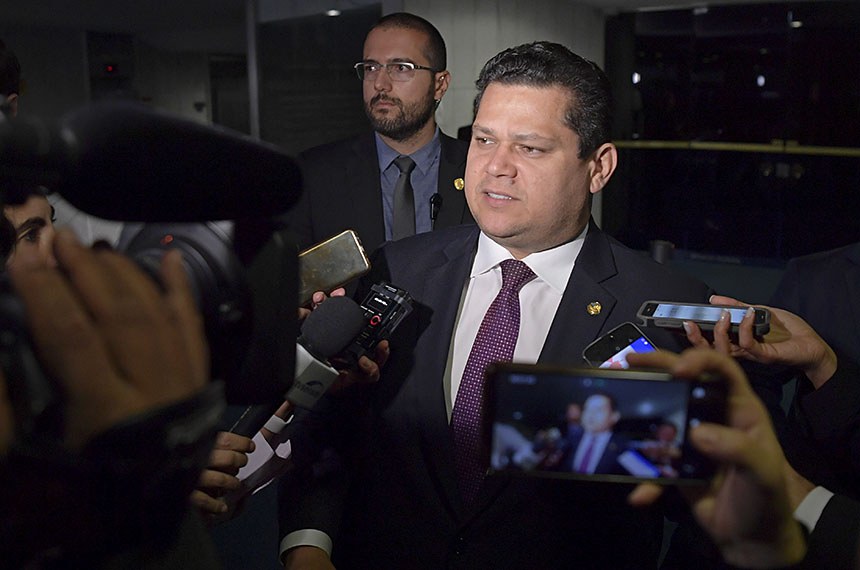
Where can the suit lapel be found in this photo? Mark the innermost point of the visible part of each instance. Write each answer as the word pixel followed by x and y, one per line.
pixel 452 161
pixel 574 325
pixel 363 172
pixel 442 285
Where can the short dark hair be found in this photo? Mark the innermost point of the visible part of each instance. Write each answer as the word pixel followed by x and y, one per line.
pixel 435 49
pixel 547 64
pixel 10 71
pixel 613 403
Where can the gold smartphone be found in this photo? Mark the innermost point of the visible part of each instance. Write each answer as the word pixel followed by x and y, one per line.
pixel 331 264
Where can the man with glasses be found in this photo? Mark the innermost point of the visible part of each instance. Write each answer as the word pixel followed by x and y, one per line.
pixel 407 176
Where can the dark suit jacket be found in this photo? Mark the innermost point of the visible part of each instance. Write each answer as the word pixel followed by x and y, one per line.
pixel 835 540
pixel 608 464
pixel 401 507
pixel 822 439
pixel 824 289
pixel 342 191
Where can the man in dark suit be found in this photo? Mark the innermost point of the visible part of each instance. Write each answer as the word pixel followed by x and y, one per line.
pixel 595 449
pixel 824 289
pixel 350 184
pixel 401 493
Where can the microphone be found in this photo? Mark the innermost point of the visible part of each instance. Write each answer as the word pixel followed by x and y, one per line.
pixel 435 206
pixel 327 331
pixel 125 161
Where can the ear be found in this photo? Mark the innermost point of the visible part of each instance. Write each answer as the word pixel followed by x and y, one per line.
pixel 602 165
pixel 615 417
pixel 442 80
pixel 12 104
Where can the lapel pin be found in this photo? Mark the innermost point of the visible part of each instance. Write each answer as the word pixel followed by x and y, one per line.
pixel 459 184
pixel 593 308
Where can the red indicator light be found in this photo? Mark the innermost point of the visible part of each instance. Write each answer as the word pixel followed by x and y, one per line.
pixel 110 68
pixel 374 320
pixel 167 240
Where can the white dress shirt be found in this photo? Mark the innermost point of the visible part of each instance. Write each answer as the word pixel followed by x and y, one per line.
pixel 539 301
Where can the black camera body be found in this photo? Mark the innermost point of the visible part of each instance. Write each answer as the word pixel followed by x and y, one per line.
pixel 384 308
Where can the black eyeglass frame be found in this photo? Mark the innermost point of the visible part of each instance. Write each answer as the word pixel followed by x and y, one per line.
pixel 359 68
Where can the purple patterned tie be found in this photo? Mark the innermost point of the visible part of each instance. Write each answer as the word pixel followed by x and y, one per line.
pixel 495 342
pixel 586 457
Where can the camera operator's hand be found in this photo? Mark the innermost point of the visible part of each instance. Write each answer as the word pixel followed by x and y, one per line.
pixel 219 478
pixel 104 331
pixel 746 508
pixel 791 342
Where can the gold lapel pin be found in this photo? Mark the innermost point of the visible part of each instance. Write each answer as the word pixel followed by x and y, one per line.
pixel 459 184
pixel 593 308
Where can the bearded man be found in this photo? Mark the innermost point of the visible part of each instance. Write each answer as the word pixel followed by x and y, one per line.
pixel 405 177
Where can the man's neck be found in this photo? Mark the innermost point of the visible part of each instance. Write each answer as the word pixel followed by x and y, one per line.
pixel 413 143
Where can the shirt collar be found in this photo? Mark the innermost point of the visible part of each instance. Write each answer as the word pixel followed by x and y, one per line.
pixel 424 157
pixel 553 266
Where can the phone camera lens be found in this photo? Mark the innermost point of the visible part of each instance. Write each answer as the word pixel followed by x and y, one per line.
pixel 698 392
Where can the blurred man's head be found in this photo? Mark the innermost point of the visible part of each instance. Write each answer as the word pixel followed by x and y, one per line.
pixel 10 80
pixel 599 413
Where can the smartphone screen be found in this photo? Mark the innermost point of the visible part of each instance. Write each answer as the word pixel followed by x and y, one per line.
pixel 619 359
pixel 697 312
pixel 611 349
pixel 609 425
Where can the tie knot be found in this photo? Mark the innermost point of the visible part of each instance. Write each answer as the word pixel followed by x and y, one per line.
pixel 405 164
pixel 515 274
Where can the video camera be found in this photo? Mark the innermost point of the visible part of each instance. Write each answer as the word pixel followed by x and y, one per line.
pixel 178 182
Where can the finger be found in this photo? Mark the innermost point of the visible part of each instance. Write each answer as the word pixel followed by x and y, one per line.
pixel 725 445
pixel 207 504
pixel 655 359
pixel 644 494
pixel 185 315
pixel 368 370
pixel 723 300
pixel 746 337
pixel 339 292
pixel 693 362
pixel 722 343
pixel 694 335
pixel 228 462
pixel 382 353
pixel 217 483
pixel 234 442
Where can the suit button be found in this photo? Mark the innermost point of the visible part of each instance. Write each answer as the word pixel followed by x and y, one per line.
pixel 459 545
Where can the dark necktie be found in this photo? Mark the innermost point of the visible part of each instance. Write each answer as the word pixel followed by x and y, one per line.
pixel 495 342
pixel 403 223
pixel 586 457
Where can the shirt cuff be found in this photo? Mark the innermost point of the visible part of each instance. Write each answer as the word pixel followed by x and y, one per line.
pixel 810 508
pixel 306 537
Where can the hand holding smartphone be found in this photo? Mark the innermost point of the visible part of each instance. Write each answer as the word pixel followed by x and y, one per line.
pixel 331 264
pixel 600 424
pixel 668 314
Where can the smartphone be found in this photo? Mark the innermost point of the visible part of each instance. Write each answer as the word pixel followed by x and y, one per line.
pixel 668 314
pixel 599 424
pixel 611 350
pixel 331 264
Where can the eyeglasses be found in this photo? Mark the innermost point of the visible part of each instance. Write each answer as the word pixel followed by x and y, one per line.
pixel 397 71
